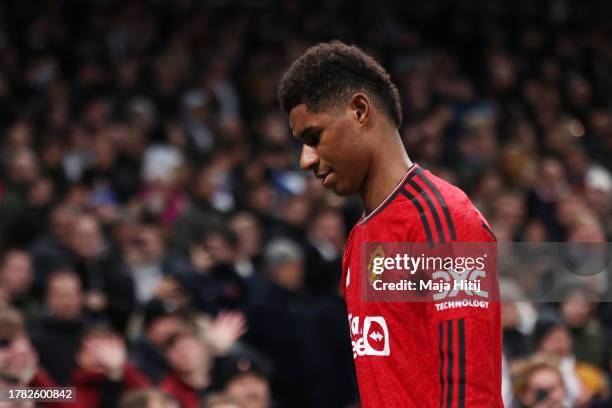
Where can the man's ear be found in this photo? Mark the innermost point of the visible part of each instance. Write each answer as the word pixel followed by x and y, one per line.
pixel 360 108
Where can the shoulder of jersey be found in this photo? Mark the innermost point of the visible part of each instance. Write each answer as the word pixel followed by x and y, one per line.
pixel 444 211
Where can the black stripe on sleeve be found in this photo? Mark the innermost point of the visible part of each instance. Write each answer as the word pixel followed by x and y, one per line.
pixel 441 351
pixel 449 371
pixel 421 211
pixel 486 227
pixel 431 206
pixel 461 336
pixel 440 199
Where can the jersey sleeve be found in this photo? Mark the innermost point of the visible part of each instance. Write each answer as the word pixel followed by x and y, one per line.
pixel 468 330
pixel 466 326
pixel 469 373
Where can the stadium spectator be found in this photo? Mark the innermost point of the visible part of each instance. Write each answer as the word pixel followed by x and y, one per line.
pixel 218 401
pixel 57 332
pixel 16 279
pixel 190 361
pixel 102 371
pixel 577 312
pixel 161 320
pixel 539 384
pixel 108 287
pixel 583 382
pixel 277 320
pixel 147 398
pixel 245 380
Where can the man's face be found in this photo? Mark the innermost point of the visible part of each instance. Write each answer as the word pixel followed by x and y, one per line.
pixel 187 355
pixel 64 297
pixel 250 390
pixel 334 147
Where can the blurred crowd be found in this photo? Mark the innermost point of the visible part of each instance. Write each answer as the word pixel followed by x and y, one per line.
pixel 160 246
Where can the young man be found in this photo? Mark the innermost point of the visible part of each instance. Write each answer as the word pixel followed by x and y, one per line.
pixel 346 111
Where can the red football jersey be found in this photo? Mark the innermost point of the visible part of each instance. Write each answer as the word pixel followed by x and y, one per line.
pixel 420 354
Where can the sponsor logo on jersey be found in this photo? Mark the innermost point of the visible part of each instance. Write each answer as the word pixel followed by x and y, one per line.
pixel 369 336
pixel 450 284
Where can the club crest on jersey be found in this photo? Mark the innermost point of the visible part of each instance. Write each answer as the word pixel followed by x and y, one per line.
pixel 370 336
pixel 378 252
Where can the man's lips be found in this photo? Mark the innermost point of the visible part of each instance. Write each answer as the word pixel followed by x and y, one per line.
pixel 324 177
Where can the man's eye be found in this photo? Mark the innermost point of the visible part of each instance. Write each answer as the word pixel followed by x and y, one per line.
pixel 312 140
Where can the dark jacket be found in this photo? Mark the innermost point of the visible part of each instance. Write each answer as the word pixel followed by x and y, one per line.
pixel 57 342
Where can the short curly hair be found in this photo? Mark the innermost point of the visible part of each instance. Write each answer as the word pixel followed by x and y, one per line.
pixel 327 74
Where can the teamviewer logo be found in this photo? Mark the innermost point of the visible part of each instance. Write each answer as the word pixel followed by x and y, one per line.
pixel 371 338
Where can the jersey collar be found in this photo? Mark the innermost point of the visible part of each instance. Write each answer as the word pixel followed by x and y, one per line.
pixel 365 218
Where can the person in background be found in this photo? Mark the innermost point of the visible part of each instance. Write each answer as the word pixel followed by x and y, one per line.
pixel 539 384
pixel 57 333
pixel 578 313
pixel 108 287
pixel 190 364
pixel 18 359
pixel 215 283
pixel 102 371
pixel 278 323
pixel 161 320
pixel 219 401
pixel 584 382
pixel 16 278
pixel 147 398
pixel 148 261
pixel 52 250
pixel 245 379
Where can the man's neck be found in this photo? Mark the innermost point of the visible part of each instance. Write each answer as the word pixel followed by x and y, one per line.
pixel 388 167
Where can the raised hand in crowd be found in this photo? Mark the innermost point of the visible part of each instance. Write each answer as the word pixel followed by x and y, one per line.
pixel 224 330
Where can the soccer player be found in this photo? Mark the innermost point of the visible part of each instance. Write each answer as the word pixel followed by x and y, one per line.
pixel 346 111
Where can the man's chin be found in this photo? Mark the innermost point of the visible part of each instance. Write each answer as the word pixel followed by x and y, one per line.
pixel 343 191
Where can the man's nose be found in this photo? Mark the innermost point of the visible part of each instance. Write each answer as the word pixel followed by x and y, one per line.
pixel 309 158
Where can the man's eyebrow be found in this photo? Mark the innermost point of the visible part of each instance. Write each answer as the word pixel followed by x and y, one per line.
pixel 308 131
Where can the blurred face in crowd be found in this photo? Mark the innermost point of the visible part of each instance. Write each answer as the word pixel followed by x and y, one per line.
pixel 19 136
pixel 23 167
pixel 84 357
pixel 249 233
pixel 16 272
pixel 162 328
pixel 219 401
pixel 329 226
pixel 297 210
pixel 249 390
pixel 509 209
pixel 17 357
pixel 535 231
pixel 86 237
pixel 64 297
pixel 61 220
pixel 105 152
pixel 557 343
pixel 219 248
pixel 289 274
pixel 149 242
pixel 576 310
pixel 187 355
pixel 510 315
pixel 336 143
pixel 586 229
pixel 544 389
